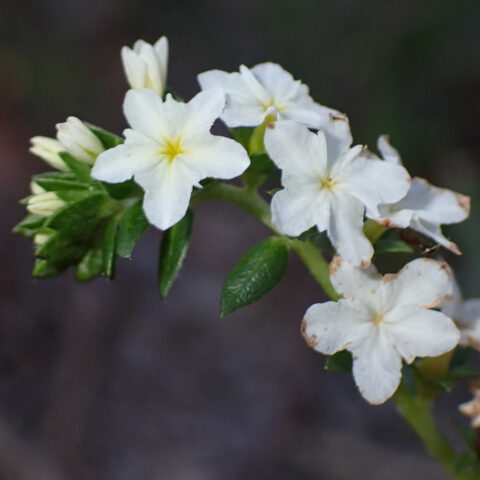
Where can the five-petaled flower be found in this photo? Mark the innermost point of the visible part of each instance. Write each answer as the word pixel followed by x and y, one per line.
pixel 266 90
pixel 381 320
pixel 425 207
pixel 329 184
pixel 146 65
pixel 465 313
pixel 169 150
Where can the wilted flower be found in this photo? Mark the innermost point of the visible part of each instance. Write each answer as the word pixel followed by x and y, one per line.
pixel 471 409
pixel 329 184
pixel 79 141
pixel 425 207
pixel 381 320
pixel 146 65
pixel 47 149
pixel 169 150
pixel 266 89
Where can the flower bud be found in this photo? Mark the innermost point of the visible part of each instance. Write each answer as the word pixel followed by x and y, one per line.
pixel 146 65
pixel 47 149
pixel 79 141
pixel 44 204
pixel 41 238
pixel 35 188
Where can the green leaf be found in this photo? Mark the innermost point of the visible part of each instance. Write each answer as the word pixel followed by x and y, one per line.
pixel 80 169
pixel 44 269
pixel 261 164
pixel 384 245
pixel 108 247
pixel 242 135
pixel 54 184
pixel 320 240
pixel 28 226
pixel 256 273
pixel 339 362
pixel 119 191
pixel 173 250
pixel 108 139
pixel 78 218
pixel 90 266
pixel 59 249
pixel 132 226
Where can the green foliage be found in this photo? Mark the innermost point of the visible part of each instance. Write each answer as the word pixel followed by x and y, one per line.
pixel 108 139
pixel 339 362
pixel 242 135
pixel 80 169
pixel 90 266
pixel 108 247
pixel 386 245
pixel 256 273
pixel 173 250
pixel 132 226
pixel 29 225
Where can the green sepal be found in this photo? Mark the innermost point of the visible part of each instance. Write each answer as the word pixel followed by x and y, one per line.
pixel 59 250
pixel 339 362
pixel 79 217
pixel 132 226
pixel 173 93
pixel 108 139
pixel 242 135
pixel 386 245
pixel 80 169
pixel 261 164
pixel 122 190
pixel 44 269
pixel 319 239
pixel 54 183
pixel 173 250
pixel 29 225
pixel 90 266
pixel 255 274
pixel 108 247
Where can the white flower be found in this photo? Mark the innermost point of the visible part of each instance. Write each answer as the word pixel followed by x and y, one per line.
pixel 47 149
pixel 465 313
pixel 78 140
pixel 146 65
pixel 169 150
pixel 425 207
pixel 471 409
pixel 265 90
pixel 44 204
pixel 381 320
pixel 329 184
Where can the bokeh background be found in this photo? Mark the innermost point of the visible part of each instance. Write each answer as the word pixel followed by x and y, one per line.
pixel 106 381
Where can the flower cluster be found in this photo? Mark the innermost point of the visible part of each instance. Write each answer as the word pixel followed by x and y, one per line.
pixel 169 156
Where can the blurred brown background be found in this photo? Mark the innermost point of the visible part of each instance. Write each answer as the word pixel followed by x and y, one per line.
pixel 104 380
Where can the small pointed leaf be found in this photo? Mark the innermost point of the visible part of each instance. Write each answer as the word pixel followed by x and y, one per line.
pixel 255 274
pixel 173 250
pixel 108 247
pixel 90 266
pixel 80 169
pixel 339 362
pixel 132 226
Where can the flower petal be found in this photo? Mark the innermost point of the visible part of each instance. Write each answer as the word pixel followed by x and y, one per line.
pixel 134 67
pixel 346 230
pixel 423 282
pixel 331 326
pixel 374 181
pixel 376 367
pixel 433 231
pixel 294 212
pixel 145 112
pixel 216 157
pixel 337 131
pixel 293 147
pixel 167 193
pixel 120 163
pixel 389 154
pixel 418 332
pixel 277 80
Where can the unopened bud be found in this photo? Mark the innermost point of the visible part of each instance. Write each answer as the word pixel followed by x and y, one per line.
pixel 47 149
pixel 44 204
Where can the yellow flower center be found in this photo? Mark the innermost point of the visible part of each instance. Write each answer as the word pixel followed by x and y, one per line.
pixel 171 149
pixel 378 319
pixel 327 183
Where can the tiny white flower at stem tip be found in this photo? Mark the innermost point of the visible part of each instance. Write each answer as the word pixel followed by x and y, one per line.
pixel 47 149
pixel 146 65
pixel 425 207
pixel 329 184
pixel 79 141
pixel 262 91
pixel 169 149
pixel 381 320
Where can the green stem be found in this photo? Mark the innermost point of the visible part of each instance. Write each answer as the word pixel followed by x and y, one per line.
pixel 253 203
pixel 417 412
